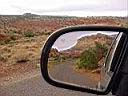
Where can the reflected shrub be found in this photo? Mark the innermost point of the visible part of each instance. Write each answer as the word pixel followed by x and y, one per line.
pixel 90 57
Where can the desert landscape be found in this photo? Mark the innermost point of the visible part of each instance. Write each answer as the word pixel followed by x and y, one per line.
pixel 22 37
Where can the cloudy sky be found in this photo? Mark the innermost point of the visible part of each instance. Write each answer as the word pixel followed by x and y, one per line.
pixel 65 42
pixel 65 7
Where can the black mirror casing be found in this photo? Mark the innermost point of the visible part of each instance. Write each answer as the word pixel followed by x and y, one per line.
pixel 46 50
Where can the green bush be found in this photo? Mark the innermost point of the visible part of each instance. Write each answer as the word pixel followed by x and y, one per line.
pixel 29 34
pixel 89 58
pixel 7 41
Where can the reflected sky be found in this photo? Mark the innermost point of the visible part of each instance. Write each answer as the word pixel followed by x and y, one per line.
pixel 69 40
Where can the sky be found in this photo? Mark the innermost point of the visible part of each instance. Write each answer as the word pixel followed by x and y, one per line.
pixel 64 42
pixel 65 7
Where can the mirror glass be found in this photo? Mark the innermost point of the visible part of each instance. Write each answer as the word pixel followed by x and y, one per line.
pixel 79 58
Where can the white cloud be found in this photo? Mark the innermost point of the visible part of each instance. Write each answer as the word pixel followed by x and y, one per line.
pixel 64 7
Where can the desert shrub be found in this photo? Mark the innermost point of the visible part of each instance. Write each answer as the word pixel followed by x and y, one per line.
pixel 22 59
pixel 29 34
pixel 12 32
pixel 10 40
pixel 5 42
pixel 87 59
pixel 90 57
pixel 2 42
pixel 2 58
pixel 13 37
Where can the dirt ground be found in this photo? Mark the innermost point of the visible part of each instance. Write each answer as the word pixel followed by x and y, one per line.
pixel 17 72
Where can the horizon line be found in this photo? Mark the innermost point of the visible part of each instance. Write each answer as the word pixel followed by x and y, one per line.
pixel 61 15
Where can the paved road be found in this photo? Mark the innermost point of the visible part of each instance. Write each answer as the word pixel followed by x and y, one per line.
pixel 36 86
pixel 66 72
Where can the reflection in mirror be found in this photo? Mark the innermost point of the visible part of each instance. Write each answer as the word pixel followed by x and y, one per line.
pixel 79 57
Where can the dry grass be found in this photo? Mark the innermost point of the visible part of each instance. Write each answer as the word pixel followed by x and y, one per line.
pixel 25 50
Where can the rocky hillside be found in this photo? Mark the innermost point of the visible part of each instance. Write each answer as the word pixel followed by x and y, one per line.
pixel 89 41
pixel 83 44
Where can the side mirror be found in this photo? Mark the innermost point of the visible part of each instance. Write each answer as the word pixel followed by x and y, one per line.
pixel 83 58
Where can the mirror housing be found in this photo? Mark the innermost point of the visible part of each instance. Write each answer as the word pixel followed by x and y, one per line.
pixel 50 41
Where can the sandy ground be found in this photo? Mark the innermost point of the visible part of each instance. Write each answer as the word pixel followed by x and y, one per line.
pixel 17 72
